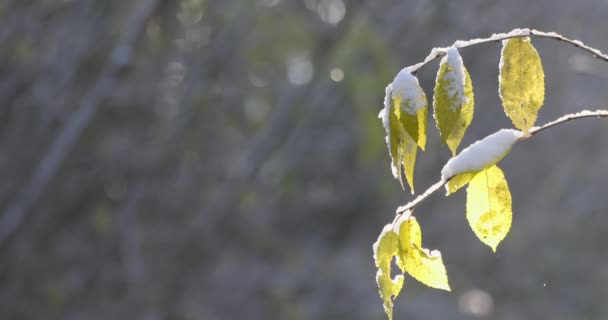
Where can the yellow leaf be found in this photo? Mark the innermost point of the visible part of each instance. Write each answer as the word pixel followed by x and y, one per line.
pixel 453 99
pixel 458 181
pixel 410 105
pixel 409 159
pixel 408 121
pixel 422 115
pixel 414 124
pixel 405 141
pixel 404 118
pixel 427 267
pixel 409 232
pixel 385 248
pixel 394 139
pixel 403 152
pixel 424 266
pixel 522 82
pixel 389 289
pixel 489 206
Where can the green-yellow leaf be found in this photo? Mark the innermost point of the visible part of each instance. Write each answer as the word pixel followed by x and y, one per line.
pixel 423 265
pixel 409 159
pixel 489 206
pixel 394 137
pixel 410 105
pixel 385 249
pixel 404 117
pixel 409 231
pixel 422 115
pixel 389 289
pixel 403 152
pixel 522 82
pixel 453 99
pixel 458 181
pixel 414 124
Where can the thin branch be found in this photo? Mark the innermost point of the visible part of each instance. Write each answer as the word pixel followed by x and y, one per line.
pixel 432 189
pixel 516 33
pixel 568 117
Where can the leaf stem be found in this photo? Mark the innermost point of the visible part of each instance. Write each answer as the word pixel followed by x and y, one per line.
pixel 573 116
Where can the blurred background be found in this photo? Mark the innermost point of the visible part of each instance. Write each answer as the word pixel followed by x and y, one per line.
pixel 207 159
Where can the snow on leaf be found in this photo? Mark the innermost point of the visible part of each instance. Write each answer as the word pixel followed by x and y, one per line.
pixel 453 99
pixel 521 82
pixel 410 105
pixel 481 154
pixel 385 248
pixel 406 87
pixel 489 206
pixel 404 118
pixel 423 265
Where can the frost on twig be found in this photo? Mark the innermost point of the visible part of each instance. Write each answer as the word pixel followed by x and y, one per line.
pixel 572 116
pixel 439 52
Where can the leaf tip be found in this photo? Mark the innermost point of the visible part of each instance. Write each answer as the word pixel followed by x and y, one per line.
pixel 422 146
pixel 401 183
pixel 453 149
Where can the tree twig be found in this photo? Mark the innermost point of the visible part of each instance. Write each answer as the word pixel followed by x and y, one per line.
pixel 573 116
pixel 432 189
pixel 516 33
pixel 568 117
